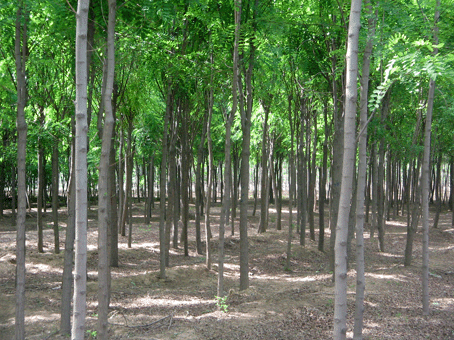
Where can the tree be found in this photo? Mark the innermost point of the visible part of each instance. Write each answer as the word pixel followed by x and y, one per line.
pixel 340 250
pixel 362 169
pixel 103 186
pixel 80 276
pixel 425 178
pixel 21 57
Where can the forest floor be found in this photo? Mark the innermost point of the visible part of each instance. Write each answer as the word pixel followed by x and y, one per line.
pixel 280 303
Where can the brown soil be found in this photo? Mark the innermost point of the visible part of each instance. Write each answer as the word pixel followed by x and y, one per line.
pixel 280 304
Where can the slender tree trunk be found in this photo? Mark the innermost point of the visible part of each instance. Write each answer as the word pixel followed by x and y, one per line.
pixel 361 182
pixel 121 172
pixel 199 185
pixel 185 165
pixel 312 181
pixel 279 192
pixel 336 168
pixel 40 194
pixel 127 204
pixel 291 177
pixel 20 56
pixel 235 188
pixel 381 177
pixel 322 182
pixel 256 185
pixel 80 276
pixel 246 112
pixel 264 196
pixel 162 188
pixel 414 213
pixel 210 179
pixel 55 204
pixel 425 178
pixel 438 198
pixel 340 250
pixel 67 280
pixel 103 183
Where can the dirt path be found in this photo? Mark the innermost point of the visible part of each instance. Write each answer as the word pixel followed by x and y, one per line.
pixel 279 304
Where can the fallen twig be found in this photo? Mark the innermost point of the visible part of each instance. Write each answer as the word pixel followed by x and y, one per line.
pixel 143 326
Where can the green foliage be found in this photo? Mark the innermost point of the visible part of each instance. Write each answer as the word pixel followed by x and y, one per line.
pixel 221 303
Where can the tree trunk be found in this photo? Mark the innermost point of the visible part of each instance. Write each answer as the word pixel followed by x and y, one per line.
pixel 312 180
pixel 235 188
pixel 210 179
pixel 291 180
pixel 80 277
pixel 279 192
pixel 361 181
pixel 185 165
pixel 67 280
pixel 381 176
pixel 20 56
pixel 199 185
pixel 128 192
pixel 264 196
pixel 246 112
pixel 103 182
pixel 336 169
pixel 349 155
pixel 40 194
pixel 322 182
pixel 55 205
pixel 438 191
pixel 425 179
pixel 121 171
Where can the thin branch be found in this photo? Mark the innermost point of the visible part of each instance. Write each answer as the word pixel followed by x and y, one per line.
pixel 74 11
pixel 146 325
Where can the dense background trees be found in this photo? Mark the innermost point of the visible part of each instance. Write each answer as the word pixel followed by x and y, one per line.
pixel 224 101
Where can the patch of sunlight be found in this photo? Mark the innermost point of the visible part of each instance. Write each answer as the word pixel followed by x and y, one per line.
pixel 35 268
pixel 400 278
pixel 147 301
pixel 369 324
pixel 390 255
pixel 442 248
pixel 396 223
pixel 47 317
pixel 291 279
pixel 231 266
pixel 443 303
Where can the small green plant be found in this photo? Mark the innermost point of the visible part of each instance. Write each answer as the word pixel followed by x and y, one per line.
pixel 92 333
pixel 221 302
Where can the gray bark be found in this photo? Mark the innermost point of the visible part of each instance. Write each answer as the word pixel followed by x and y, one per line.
pixel 80 276
pixel 340 249
pixel 20 56
pixel 425 179
pixel 103 183
pixel 361 184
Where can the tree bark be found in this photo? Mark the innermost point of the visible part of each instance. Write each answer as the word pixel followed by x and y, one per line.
pixel 67 280
pixel 361 182
pixel 20 56
pixel 103 183
pixel 264 195
pixel 55 200
pixel 425 178
pixel 40 194
pixel 322 182
pixel 80 277
pixel 340 249
pixel 162 188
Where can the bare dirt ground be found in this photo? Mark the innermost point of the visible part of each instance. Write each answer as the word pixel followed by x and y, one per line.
pixel 280 304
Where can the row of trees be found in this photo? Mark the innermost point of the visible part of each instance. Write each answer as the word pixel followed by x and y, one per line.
pixel 182 89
